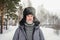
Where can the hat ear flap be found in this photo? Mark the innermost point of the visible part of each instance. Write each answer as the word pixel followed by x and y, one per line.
pixel 36 21
pixel 22 21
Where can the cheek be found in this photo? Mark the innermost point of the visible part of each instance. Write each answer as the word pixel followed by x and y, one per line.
pixel 27 18
pixel 31 19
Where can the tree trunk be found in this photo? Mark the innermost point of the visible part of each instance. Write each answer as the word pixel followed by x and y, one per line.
pixel 1 9
pixel 1 22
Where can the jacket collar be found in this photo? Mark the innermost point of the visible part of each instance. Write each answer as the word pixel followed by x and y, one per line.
pixel 23 26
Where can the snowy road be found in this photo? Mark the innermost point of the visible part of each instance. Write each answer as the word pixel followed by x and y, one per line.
pixel 48 34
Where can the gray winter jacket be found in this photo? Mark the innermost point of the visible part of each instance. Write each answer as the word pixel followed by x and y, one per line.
pixel 21 35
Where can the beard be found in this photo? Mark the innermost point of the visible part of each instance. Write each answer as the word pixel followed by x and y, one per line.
pixel 29 22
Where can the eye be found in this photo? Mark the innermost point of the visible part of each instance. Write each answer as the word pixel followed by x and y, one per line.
pixel 31 16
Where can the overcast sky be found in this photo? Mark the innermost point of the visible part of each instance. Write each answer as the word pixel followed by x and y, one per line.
pixel 50 5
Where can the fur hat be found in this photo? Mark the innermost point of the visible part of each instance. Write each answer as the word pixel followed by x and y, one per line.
pixel 27 11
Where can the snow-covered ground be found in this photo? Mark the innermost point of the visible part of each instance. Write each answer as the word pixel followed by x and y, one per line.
pixel 8 34
pixel 48 33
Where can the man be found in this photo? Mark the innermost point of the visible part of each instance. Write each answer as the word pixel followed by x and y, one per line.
pixel 28 27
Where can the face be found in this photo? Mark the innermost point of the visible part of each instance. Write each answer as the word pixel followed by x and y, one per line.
pixel 29 18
